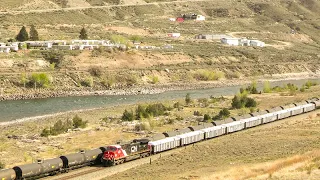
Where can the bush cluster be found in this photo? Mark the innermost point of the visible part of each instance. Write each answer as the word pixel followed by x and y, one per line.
pixel 224 113
pixel 87 82
pixel 251 89
pixel 54 57
pixel 151 110
pixel 61 127
pixel 241 101
pixel 41 80
pixel 206 75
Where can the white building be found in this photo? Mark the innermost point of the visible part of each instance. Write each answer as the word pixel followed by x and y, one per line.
pixel 230 41
pixel 257 43
pixel 174 35
pixel 200 18
pixel 63 47
pixel 45 44
pixel 91 42
pixel 5 49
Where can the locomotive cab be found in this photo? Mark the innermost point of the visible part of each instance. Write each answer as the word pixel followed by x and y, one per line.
pixel 118 154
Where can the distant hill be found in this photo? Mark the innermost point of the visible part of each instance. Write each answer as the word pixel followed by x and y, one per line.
pixel 55 4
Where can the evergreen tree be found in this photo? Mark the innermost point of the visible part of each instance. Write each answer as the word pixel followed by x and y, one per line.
pixel 23 35
pixel 83 34
pixel 33 34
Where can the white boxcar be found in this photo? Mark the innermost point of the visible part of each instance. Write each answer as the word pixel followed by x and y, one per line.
pixel 252 122
pixel 164 144
pixel 317 103
pixel 191 137
pixel 297 110
pixel 309 107
pixel 284 113
pixel 234 126
pixel 215 131
pixel 270 117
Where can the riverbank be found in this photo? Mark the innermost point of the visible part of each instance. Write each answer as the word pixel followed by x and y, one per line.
pixel 153 89
pixel 105 126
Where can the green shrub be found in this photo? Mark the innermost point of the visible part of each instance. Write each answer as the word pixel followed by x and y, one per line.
pixel 144 126
pixel 118 39
pixel 154 79
pixel 127 116
pixel 266 87
pixel 135 38
pixel 45 132
pixel 308 84
pixel 252 89
pixel 206 117
pixel 156 109
pixel 224 113
pixel 141 112
pixel 108 82
pixel 39 80
pixel 53 56
pixel 58 128
pixel 24 80
pixel 62 127
pixel 88 82
pixel 241 101
pixel 206 75
pixel 250 103
pixel 236 102
pixel 78 122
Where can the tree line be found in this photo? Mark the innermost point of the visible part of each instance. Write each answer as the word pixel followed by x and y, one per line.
pixel 34 35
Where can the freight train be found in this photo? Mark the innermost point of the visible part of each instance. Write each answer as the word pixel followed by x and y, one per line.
pixel 139 148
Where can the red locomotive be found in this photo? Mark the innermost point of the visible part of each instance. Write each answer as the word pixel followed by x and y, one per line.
pixel 120 153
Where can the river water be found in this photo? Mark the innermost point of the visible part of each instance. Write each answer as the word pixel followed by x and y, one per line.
pixel 12 110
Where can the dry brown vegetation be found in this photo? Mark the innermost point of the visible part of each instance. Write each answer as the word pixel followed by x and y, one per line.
pixel 271 22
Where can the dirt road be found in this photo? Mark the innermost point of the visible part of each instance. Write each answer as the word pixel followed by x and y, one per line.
pixel 94 7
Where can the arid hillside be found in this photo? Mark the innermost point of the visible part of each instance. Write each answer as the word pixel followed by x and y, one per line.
pixel 290 30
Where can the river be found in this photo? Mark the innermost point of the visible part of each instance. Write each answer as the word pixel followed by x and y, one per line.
pixel 12 110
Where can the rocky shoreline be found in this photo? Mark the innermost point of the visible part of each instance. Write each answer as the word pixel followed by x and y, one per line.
pixel 149 89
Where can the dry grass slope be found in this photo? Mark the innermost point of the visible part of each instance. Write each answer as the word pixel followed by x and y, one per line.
pixel 259 151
